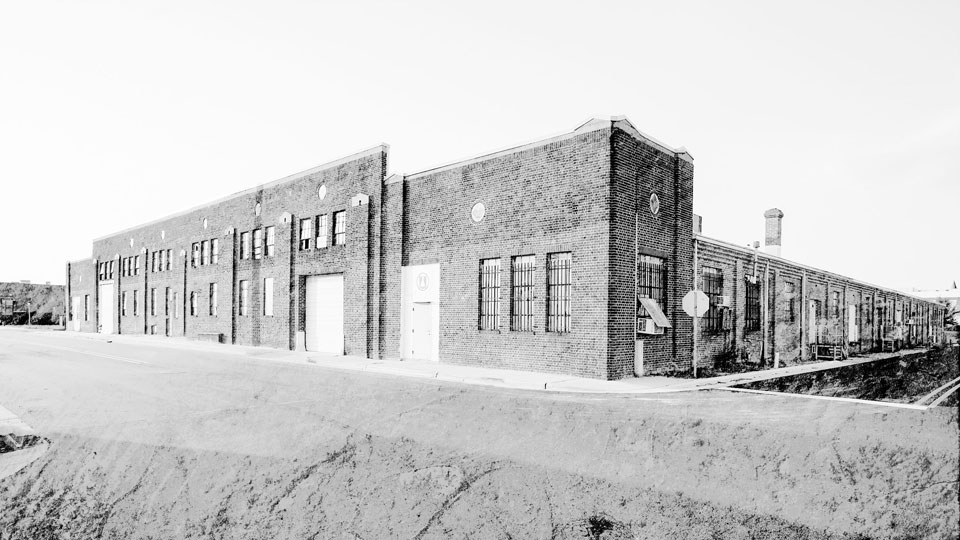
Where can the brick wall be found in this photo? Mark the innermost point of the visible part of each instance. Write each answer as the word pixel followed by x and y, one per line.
pixel 282 204
pixel 541 200
pixel 641 170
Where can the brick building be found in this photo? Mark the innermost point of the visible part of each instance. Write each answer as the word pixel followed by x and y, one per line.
pixel 567 255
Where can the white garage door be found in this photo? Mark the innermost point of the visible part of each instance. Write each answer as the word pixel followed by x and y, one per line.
pixel 106 301
pixel 324 314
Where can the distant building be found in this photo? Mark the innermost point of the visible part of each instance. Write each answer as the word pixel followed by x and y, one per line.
pixel 568 255
pixel 24 302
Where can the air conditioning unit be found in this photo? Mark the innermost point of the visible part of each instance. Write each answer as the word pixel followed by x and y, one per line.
pixel 647 326
pixel 725 301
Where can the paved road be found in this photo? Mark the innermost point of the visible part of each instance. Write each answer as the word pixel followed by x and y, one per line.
pixel 768 456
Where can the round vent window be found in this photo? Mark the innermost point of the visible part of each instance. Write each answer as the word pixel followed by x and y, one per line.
pixel 478 212
pixel 654 204
pixel 322 192
pixel 256 209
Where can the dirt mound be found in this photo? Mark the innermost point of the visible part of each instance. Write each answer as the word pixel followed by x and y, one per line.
pixel 367 488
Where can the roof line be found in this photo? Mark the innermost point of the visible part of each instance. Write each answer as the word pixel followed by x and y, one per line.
pixel 763 254
pixel 382 147
pixel 590 125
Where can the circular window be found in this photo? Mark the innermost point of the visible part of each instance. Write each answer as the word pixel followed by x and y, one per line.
pixel 256 209
pixel 322 192
pixel 204 223
pixel 654 204
pixel 478 212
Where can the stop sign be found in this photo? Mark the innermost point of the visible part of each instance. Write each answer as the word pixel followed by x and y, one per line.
pixel 695 303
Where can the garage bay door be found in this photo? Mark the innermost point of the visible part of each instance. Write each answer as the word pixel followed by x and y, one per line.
pixel 324 314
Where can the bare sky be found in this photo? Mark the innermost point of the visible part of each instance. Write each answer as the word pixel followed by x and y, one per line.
pixel 845 115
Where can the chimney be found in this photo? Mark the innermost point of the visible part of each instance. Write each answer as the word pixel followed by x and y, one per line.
pixel 772 242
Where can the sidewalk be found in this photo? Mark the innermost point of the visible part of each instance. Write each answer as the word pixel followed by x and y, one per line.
pixel 490 376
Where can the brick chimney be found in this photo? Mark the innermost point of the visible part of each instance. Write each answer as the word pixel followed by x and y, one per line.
pixel 774 234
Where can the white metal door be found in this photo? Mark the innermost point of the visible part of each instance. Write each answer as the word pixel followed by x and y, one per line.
pixel 106 301
pixel 77 312
pixel 421 331
pixel 420 317
pixel 323 326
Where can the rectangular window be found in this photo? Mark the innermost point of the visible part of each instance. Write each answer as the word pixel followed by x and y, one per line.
pixel 111 269
pixel 489 294
pixel 166 302
pixel 215 251
pixel 752 315
pixel 155 261
pixel 123 303
pixel 163 260
pixel 306 233
pixel 153 302
pixel 713 288
pixel 258 244
pixel 340 228
pixel 193 303
pixel 176 305
pixel 169 258
pixel 836 304
pixel 245 245
pixel 195 258
pixel 136 304
pixel 523 269
pixel 244 291
pixel 268 296
pixel 136 266
pixel 322 231
pixel 559 282
pixel 86 307
pixel 205 252
pixel 271 240
pixel 651 283
pixel 213 299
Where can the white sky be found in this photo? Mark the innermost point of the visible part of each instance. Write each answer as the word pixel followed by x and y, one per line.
pixel 845 115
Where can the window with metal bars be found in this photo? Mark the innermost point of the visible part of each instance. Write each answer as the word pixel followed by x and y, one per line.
pixel 559 283
pixel 713 288
pixel 752 316
pixel 523 270
pixel 489 294
pixel 651 283
pixel 339 228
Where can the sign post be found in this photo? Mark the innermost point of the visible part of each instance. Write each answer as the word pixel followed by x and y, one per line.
pixel 695 304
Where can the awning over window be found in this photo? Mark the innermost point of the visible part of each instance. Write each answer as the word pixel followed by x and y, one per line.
pixel 655 312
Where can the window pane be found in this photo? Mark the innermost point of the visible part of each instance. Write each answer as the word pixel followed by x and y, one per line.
pixel 559 269
pixel 306 232
pixel 322 231
pixel 521 292
pixel 489 294
pixel 651 283
pixel 339 228
pixel 258 243
pixel 271 238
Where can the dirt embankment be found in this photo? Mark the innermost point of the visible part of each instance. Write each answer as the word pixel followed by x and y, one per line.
pixel 651 479
pixel 902 380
